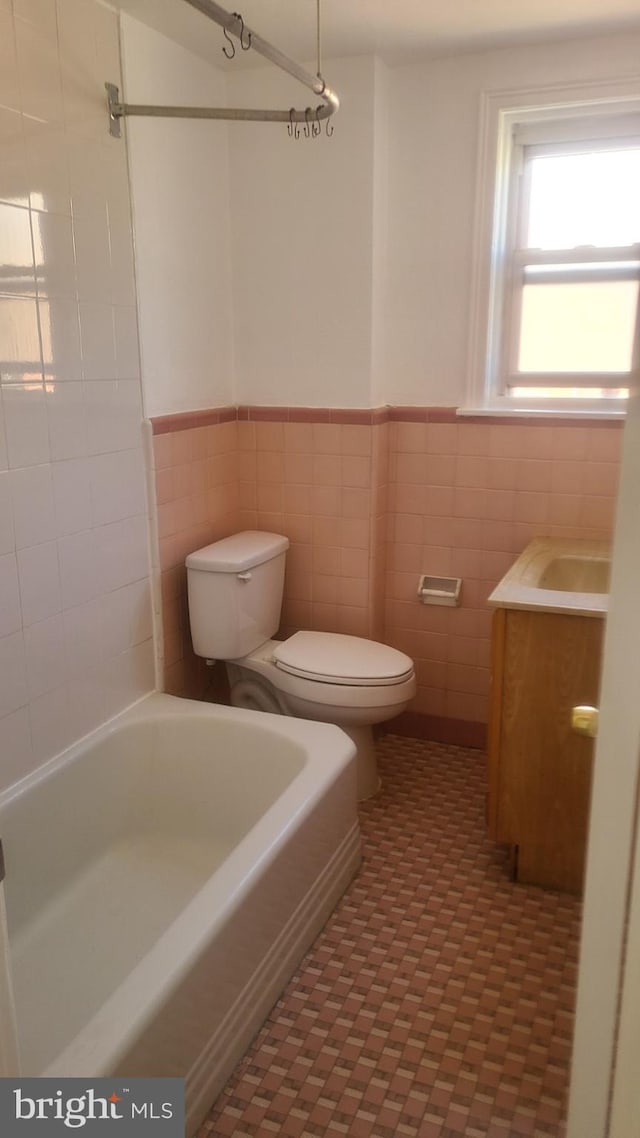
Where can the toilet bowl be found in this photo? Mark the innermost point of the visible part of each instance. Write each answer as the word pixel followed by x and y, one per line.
pixel 331 678
pixel 235 595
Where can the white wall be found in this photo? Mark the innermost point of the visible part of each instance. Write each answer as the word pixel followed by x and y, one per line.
pixel 180 193
pixel 302 219
pixel 75 620
pixel 381 228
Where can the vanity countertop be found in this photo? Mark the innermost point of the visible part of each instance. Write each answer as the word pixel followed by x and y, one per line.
pixel 577 564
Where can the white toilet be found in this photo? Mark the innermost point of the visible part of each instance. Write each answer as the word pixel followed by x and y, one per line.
pixel 235 596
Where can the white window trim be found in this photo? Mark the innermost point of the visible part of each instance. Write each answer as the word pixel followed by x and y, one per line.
pixel 500 111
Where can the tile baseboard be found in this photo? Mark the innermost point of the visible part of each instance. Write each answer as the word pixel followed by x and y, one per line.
pixel 439 728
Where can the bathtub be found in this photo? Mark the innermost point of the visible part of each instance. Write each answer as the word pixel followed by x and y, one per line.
pixel 164 878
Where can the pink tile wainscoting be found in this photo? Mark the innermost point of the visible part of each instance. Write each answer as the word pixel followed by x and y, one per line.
pixel 370 499
pixel 196 483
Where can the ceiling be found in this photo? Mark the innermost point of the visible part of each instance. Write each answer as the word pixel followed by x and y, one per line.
pixel 396 30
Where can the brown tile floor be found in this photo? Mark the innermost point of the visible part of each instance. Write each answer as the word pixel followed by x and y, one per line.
pixel 437 1001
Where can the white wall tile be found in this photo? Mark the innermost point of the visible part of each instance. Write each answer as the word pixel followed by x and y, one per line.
pixel 87 703
pixel 121 257
pixel 116 185
pixel 7 538
pixel 13 681
pixel 39 70
pixel 126 618
pixel 124 553
pixel 118 487
pixel 39 579
pixel 60 332
pixel 98 342
pixel 33 505
pixel 83 643
pixel 131 671
pixel 54 254
pixel 81 570
pixel 10 95
pixel 17 759
pixel 107 42
pixel 114 415
pixel 72 494
pixel 93 264
pixel 10 613
pixel 45 145
pixel 25 416
pixel 41 13
pixel 45 660
pixel 18 273
pixel 125 323
pixel 66 415
pixel 86 158
pixel 51 729
pixel 14 184
pixel 82 78
pixel 4 457
pixel 74 582
pixel 20 357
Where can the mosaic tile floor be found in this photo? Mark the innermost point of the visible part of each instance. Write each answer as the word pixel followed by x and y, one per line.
pixel 437 1001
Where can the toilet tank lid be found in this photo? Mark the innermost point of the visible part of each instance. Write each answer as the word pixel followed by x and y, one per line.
pixel 239 552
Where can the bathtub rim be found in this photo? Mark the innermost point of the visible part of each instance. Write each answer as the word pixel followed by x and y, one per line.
pixel 138 712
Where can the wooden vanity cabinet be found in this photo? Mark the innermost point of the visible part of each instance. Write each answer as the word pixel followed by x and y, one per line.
pixel 540 770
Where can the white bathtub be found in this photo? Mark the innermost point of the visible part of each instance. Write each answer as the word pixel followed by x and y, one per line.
pixel 164 878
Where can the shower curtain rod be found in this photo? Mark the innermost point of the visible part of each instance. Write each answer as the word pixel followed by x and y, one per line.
pixel 233 24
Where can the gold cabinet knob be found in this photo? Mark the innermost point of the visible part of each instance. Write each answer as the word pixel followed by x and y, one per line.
pixel 584 720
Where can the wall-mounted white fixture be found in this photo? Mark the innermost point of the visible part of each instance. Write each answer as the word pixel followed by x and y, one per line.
pixel 439 590
pixel 233 24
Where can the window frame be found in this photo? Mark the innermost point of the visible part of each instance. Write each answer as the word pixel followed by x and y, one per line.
pixel 509 121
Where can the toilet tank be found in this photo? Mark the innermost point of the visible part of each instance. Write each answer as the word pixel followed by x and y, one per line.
pixel 235 593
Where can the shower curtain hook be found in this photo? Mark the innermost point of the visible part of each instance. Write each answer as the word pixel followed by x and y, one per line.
pixel 229 54
pixel 328 131
pixel 316 129
pixel 243 45
pixel 307 128
pixel 290 126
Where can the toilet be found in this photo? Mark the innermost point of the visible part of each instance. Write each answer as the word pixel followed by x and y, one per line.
pixel 235 591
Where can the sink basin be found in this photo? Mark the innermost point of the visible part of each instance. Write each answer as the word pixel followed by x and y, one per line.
pixel 558 574
pixel 576 575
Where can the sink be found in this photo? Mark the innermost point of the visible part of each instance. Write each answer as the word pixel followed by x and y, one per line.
pixel 558 574
pixel 576 575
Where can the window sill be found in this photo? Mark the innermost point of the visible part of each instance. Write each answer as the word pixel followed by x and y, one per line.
pixel 613 415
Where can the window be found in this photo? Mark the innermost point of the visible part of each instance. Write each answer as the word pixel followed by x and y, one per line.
pixel 557 283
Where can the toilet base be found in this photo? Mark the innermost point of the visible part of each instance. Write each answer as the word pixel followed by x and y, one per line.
pixel 369 782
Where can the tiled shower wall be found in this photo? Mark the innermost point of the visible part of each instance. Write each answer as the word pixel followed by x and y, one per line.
pixel 370 500
pixel 75 612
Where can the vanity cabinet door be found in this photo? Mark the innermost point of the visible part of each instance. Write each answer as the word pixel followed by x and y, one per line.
pixel 540 769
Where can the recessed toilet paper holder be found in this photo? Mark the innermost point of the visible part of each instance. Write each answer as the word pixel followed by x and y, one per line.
pixel 439 590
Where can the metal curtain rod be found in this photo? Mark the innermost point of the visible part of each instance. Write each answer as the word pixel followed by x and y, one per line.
pixel 233 23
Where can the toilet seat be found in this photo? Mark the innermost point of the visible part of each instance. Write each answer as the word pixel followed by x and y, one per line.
pixel 348 661
pixel 332 700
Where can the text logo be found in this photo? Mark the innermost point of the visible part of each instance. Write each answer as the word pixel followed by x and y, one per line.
pixel 109 1107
